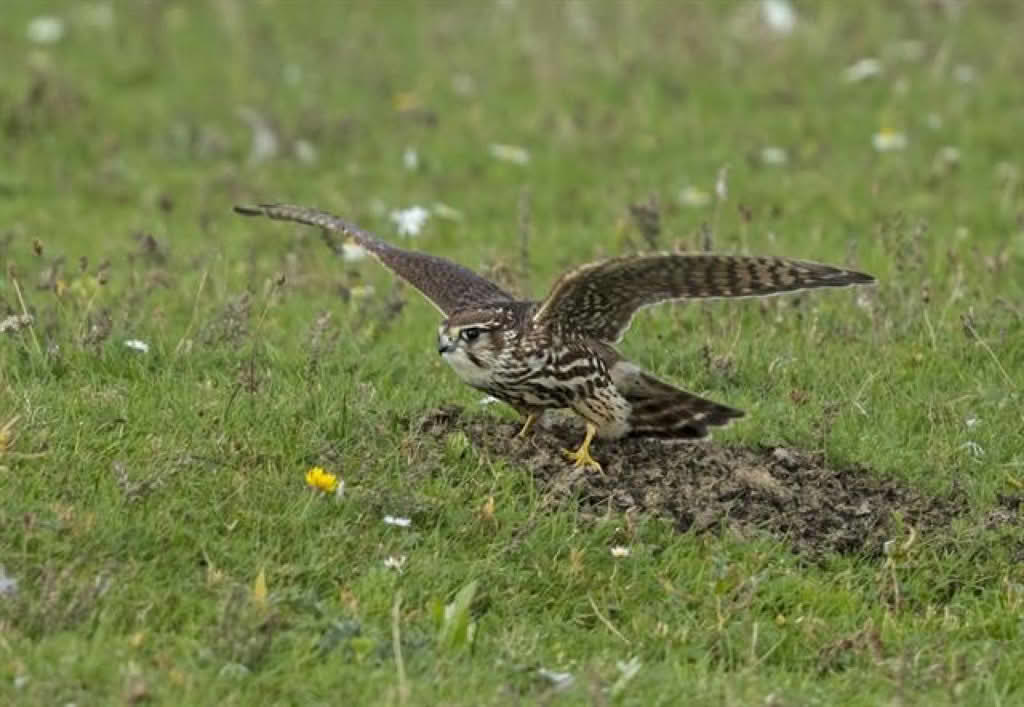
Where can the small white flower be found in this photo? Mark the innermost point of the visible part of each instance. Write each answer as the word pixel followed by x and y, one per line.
pixel 560 681
pixel 410 221
pixel 628 669
pixel 864 69
pixel 305 151
pixel 488 400
pixel 694 196
pixel 352 252
pixel 889 141
pixel 510 153
pixel 864 301
pixel 15 322
pixel 620 551
pixel 397 520
pixel 264 143
pixel 722 183
pixel 411 159
pixel 232 671
pixel 463 84
pixel 45 29
pixel 778 15
pixel 8 584
pixel 138 345
pixel 774 155
pixel 949 155
pixel 394 563
pixel 972 421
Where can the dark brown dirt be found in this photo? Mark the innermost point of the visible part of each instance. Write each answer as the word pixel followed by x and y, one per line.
pixel 787 493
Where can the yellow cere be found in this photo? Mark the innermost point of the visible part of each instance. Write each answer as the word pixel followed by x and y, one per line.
pixel 322 480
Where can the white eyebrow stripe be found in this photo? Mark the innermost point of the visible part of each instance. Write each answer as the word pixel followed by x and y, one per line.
pixel 486 326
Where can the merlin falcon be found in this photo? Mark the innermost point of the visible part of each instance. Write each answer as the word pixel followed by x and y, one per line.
pixel 559 352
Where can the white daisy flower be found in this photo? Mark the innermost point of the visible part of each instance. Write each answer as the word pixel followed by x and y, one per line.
pixel 352 252
pixel 411 159
pixel 559 680
pixel 889 141
pixel 866 68
pixel 8 584
pixel 45 29
pixel 305 151
pixel 778 15
pixel 394 563
pixel 694 196
pixel 410 221
pixel 774 155
pixel 510 153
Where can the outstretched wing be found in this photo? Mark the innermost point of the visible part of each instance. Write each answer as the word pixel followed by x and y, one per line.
pixel 447 285
pixel 601 298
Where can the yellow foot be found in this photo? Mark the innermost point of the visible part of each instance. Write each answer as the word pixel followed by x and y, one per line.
pixel 530 419
pixel 581 457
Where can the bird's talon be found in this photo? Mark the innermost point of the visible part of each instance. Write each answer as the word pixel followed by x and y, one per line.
pixel 581 459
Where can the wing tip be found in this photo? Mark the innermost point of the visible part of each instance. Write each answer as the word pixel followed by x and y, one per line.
pixel 853 277
pixel 250 210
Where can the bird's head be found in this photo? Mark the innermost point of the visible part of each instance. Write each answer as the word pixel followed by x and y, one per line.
pixel 472 340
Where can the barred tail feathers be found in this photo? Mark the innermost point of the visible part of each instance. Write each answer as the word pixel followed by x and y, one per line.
pixel 658 409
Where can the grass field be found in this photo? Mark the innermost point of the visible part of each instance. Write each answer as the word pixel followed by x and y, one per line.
pixel 857 539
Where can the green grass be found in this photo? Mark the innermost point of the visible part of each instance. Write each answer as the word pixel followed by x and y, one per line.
pixel 144 494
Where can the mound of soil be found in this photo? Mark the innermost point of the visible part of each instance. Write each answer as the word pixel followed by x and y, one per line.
pixel 790 493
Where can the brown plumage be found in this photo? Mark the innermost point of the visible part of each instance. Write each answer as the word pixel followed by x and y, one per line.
pixel 447 285
pixel 558 353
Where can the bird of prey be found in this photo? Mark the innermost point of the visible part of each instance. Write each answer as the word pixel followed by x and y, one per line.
pixel 559 352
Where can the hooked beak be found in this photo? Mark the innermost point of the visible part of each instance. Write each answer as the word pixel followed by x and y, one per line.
pixel 444 344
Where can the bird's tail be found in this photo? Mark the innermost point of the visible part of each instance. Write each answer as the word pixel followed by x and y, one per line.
pixel 658 409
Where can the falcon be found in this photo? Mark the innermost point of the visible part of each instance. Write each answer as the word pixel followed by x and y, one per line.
pixel 560 352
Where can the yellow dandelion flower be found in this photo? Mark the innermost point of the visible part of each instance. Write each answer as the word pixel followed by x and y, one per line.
pixel 321 480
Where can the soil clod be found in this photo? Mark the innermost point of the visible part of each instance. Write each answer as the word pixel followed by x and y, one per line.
pixel 791 494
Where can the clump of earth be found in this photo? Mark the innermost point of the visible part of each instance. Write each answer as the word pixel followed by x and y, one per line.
pixel 791 494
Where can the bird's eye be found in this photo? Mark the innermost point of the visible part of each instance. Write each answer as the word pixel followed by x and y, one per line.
pixel 471 334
